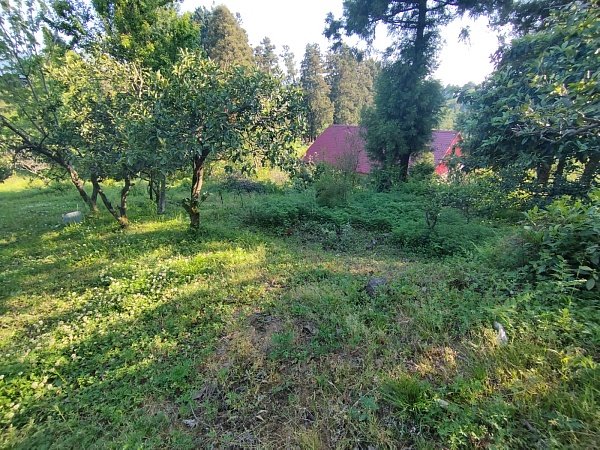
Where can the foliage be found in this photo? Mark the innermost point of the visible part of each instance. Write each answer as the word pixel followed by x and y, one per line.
pixel 266 58
pixel 243 116
pixel 333 187
pixel 102 116
pixel 563 242
pixel 351 78
pixel 225 41
pixel 316 92
pixel 535 120
pixel 406 109
pixel 289 62
pixel 28 98
pixel 147 32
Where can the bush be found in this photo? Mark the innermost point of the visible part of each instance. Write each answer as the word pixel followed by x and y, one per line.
pixel 563 242
pixel 452 235
pixel 333 187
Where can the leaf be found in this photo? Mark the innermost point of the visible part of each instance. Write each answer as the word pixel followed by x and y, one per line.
pixel 590 284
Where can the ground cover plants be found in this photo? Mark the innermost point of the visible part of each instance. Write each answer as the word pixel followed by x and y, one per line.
pixel 257 330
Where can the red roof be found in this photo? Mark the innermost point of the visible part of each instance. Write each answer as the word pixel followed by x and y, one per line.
pixel 453 149
pixel 343 145
pixel 340 145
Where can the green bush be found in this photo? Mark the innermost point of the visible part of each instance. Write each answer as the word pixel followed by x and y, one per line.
pixel 452 234
pixel 563 242
pixel 333 187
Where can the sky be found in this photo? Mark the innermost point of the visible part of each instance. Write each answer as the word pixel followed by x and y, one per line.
pixel 298 23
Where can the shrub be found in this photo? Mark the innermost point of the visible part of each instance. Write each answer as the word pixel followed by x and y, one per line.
pixel 452 234
pixel 563 242
pixel 333 187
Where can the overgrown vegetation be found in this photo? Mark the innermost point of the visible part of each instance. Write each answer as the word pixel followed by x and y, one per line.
pixel 233 337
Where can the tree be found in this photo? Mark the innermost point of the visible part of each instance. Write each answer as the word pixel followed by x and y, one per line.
pixel 405 111
pixel 351 80
pixel 415 24
pixel 523 16
pixel 211 113
pixel 537 116
pixel 407 103
pixel 288 57
pixel 103 114
pixel 316 92
pixel 29 99
pixel 226 41
pixel 266 58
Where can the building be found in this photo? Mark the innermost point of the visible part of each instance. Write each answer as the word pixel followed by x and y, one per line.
pixel 344 146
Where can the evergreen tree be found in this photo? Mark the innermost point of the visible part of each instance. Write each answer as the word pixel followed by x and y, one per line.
pixel 405 111
pixel 226 42
pixel 316 91
pixel 266 58
pixel 351 83
pixel 289 61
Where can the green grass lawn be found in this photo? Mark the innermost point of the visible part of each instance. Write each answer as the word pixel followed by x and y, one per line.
pixel 257 331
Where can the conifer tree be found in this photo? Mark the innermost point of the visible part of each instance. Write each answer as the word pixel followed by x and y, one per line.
pixel 266 58
pixel 351 83
pixel 289 61
pixel 316 90
pixel 226 42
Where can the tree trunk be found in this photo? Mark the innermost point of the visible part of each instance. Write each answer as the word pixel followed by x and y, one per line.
pixel 123 207
pixel 403 163
pixel 108 204
pixel 591 170
pixel 162 195
pixel 78 182
pixel 543 173
pixel 151 186
pixel 197 178
pixel 420 40
pixel 95 191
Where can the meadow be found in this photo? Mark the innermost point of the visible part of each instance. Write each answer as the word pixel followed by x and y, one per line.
pixel 260 329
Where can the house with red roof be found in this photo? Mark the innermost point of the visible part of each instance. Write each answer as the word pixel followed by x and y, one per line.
pixel 344 146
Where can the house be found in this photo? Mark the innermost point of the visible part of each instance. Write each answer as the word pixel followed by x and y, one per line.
pixel 344 146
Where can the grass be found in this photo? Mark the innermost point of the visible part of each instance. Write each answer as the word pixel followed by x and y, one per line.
pixel 245 336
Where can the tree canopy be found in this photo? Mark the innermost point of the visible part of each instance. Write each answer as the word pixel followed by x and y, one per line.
pixel 225 41
pixel 536 118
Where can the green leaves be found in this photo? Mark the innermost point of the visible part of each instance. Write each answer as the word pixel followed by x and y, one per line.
pixel 538 114
pixel 563 241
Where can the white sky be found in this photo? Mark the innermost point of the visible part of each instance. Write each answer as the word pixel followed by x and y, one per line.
pixel 297 23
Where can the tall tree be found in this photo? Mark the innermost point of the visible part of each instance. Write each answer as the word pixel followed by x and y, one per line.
pixel 407 104
pixel 289 61
pixel 351 80
pixel 405 111
pixel 537 116
pixel 226 41
pixel 316 92
pixel 265 57
pixel 413 22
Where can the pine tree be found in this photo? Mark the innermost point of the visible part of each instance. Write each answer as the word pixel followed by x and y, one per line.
pixel 226 42
pixel 289 61
pixel 266 58
pixel 351 83
pixel 312 80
